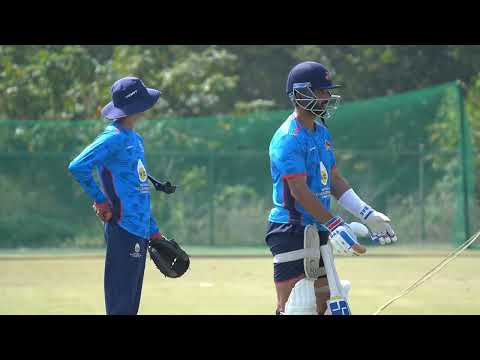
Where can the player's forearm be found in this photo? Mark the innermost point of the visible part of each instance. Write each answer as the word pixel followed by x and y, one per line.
pixel 347 198
pixel 310 203
pixel 339 185
pixel 83 175
pixel 154 230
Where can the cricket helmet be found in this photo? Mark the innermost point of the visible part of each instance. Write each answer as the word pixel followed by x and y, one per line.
pixel 302 82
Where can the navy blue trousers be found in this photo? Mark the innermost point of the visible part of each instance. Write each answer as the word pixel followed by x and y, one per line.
pixel 124 269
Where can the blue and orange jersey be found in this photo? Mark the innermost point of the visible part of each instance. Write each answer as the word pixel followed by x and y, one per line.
pixel 297 151
pixel 118 156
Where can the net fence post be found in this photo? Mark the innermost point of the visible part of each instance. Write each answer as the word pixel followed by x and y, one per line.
pixel 463 142
pixel 211 200
pixel 421 193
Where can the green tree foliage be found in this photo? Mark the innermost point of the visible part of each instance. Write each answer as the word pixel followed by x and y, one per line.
pixel 73 82
pixel 51 82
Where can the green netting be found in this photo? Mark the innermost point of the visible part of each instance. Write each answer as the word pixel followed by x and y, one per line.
pixel 407 155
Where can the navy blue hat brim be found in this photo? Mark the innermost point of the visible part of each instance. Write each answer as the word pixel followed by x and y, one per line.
pixel 111 112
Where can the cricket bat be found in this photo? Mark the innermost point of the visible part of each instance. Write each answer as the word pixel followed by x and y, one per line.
pixel 338 304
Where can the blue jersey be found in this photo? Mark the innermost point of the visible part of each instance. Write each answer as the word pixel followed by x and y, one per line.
pixel 298 151
pixel 118 156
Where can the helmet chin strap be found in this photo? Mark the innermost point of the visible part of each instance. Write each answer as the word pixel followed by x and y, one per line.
pixel 324 122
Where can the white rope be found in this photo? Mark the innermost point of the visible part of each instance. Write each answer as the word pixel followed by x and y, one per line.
pixel 431 272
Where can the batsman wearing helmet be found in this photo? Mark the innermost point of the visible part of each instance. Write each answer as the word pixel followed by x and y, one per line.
pixel 123 202
pixel 305 175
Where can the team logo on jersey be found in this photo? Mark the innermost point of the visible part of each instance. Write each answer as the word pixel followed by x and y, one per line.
pixel 323 174
pixel 142 173
pixel 328 145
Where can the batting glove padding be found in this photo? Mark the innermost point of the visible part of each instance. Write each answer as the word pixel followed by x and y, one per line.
pixel 379 225
pixel 342 238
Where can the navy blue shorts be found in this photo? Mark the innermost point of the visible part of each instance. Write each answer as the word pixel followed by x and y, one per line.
pixel 282 238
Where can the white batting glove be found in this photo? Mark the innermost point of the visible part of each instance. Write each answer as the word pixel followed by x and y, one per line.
pixel 342 237
pixel 379 225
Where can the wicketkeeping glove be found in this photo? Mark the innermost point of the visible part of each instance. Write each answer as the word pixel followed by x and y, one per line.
pixel 379 225
pixel 342 237
pixel 168 256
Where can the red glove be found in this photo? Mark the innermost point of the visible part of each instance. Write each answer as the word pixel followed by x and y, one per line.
pixel 103 211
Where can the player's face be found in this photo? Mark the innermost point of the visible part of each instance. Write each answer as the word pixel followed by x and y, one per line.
pixel 319 102
pixel 136 117
pixel 131 120
pixel 322 95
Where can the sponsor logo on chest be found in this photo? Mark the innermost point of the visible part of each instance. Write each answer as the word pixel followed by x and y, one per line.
pixel 323 174
pixel 142 172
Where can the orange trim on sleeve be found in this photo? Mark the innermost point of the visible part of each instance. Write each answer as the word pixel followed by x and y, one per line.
pixel 293 175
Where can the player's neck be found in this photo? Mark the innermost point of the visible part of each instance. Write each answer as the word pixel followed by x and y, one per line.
pixel 307 119
pixel 126 123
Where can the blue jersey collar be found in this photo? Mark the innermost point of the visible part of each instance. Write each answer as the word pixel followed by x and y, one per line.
pixel 302 127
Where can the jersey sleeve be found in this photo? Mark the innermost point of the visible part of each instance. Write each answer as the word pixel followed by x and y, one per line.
pixel 93 155
pixel 154 230
pixel 329 146
pixel 288 157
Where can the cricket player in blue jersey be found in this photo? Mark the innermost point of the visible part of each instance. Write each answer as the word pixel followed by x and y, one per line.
pixel 123 202
pixel 305 175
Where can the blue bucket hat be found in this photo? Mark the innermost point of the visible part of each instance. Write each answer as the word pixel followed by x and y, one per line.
pixel 129 96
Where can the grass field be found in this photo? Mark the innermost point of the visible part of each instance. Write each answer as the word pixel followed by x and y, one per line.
pixel 72 283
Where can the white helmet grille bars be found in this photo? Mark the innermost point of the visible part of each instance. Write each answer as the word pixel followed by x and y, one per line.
pixel 304 97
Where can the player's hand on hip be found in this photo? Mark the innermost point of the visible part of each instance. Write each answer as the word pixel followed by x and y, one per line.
pixel 342 237
pixel 379 225
pixel 103 211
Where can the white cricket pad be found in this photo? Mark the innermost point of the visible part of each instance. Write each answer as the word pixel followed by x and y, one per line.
pixel 302 300
pixel 346 286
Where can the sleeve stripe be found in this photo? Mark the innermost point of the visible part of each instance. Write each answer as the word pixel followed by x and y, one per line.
pixel 290 176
